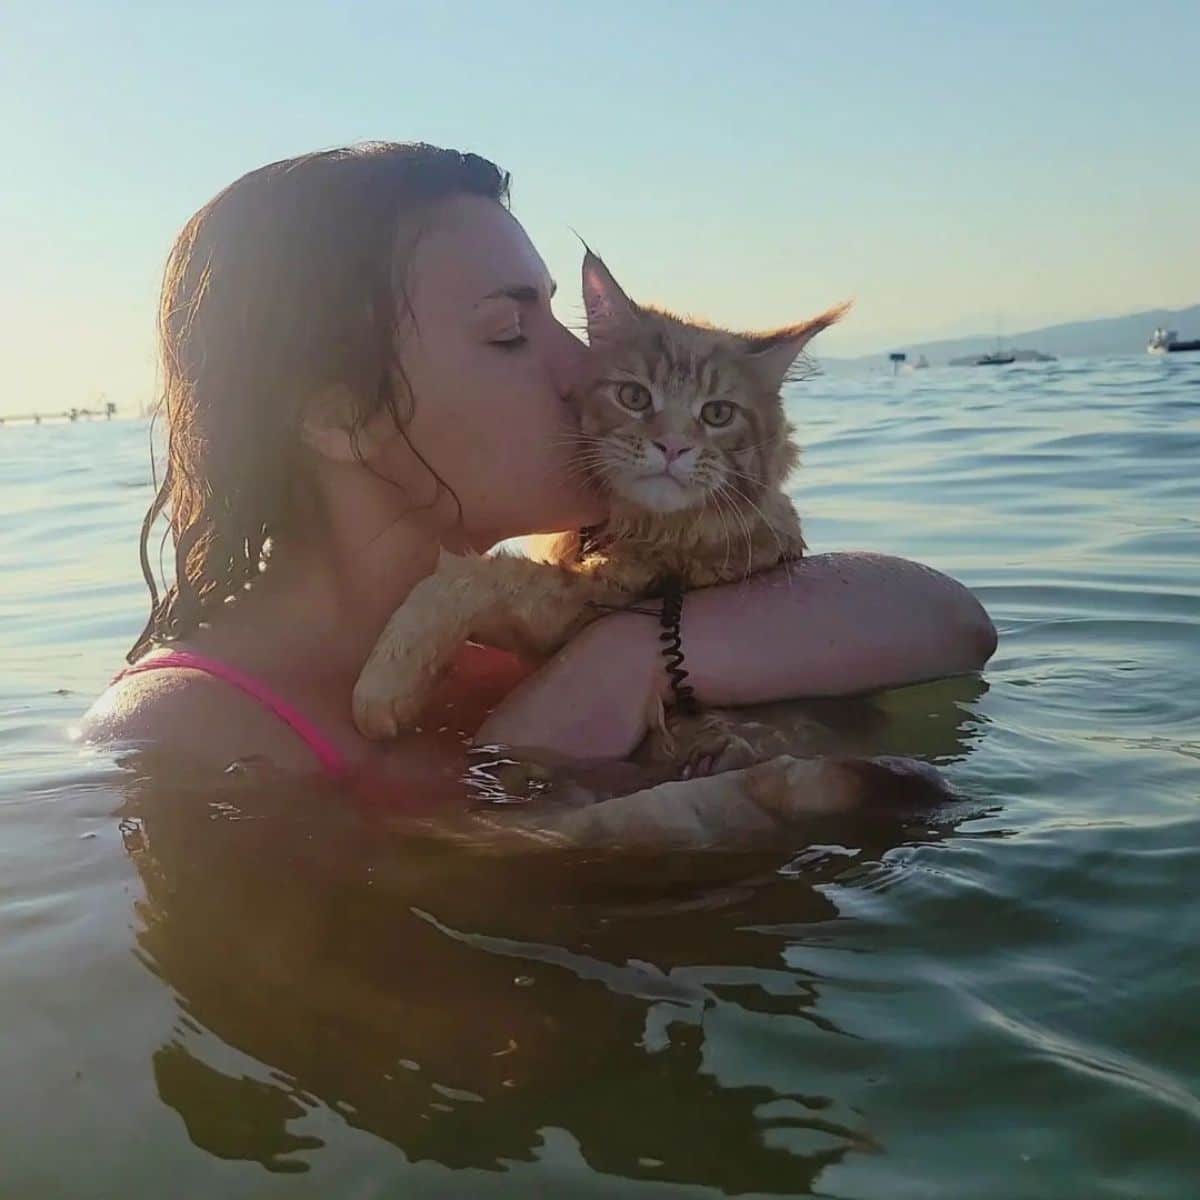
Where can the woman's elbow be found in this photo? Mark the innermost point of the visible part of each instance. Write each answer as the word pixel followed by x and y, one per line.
pixel 971 631
pixel 954 622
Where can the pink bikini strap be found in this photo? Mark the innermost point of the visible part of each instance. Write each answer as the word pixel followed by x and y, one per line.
pixel 326 753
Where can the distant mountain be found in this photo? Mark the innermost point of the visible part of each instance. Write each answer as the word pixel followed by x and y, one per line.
pixel 1110 335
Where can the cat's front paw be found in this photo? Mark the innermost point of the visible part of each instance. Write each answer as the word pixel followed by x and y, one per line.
pixel 708 745
pixel 382 705
pixel 396 683
pixel 794 789
pixel 373 714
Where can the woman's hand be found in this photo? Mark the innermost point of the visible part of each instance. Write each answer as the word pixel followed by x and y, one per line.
pixel 829 625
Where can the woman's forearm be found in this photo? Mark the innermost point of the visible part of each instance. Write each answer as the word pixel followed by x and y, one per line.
pixel 833 624
pixel 591 700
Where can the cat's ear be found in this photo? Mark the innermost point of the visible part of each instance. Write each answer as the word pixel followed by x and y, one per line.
pixel 772 354
pixel 606 304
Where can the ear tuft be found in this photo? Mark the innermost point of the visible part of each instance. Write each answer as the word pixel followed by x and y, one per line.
pixel 774 353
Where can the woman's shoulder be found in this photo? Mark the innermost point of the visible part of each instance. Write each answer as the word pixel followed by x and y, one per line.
pixel 215 716
pixel 189 711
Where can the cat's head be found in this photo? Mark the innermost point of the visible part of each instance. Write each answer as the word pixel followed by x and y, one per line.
pixel 683 414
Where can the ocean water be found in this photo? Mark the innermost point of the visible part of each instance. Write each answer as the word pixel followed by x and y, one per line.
pixel 202 995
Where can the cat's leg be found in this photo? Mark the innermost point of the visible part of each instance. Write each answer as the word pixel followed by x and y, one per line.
pixel 706 743
pixel 541 606
pixel 761 806
pixel 755 805
pixel 503 600
pixel 416 645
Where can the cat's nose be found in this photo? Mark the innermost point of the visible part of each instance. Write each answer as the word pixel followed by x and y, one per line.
pixel 673 446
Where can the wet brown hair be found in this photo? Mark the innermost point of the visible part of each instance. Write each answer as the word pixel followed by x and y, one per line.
pixel 287 283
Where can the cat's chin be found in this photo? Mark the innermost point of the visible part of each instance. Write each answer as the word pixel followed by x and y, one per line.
pixel 660 494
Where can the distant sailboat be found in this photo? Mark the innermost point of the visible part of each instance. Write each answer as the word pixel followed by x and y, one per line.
pixel 999 357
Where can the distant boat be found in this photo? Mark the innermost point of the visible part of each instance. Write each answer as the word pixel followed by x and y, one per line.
pixel 1001 358
pixel 1166 341
pixel 998 357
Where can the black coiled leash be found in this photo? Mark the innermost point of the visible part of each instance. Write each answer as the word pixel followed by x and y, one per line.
pixel 670 618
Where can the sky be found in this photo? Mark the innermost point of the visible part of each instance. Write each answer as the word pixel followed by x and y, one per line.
pixel 954 168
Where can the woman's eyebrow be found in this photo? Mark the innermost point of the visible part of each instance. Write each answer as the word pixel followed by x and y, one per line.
pixel 522 293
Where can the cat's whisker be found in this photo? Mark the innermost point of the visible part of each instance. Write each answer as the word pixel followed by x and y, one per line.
pixel 710 494
pixel 743 474
pixel 591 458
pixel 593 478
pixel 578 435
pixel 770 529
pixel 716 496
pixel 578 444
pixel 725 505
pixel 592 455
pixel 749 541
pixel 724 487
pixel 774 441
pixel 754 479
pixel 597 470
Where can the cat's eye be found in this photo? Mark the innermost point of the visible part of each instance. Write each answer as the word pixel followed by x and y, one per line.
pixel 634 397
pixel 718 413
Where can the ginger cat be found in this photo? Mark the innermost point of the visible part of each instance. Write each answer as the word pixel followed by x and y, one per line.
pixel 685 434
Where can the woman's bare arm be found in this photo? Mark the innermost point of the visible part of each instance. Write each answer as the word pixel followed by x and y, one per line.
pixel 833 624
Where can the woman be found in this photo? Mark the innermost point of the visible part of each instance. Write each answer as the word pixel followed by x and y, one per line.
pixel 361 365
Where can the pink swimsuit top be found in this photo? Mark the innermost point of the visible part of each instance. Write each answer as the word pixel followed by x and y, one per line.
pixel 478 678
pixel 332 761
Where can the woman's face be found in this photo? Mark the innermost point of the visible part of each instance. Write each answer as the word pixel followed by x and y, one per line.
pixel 491 372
